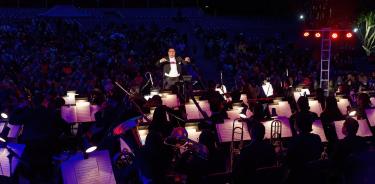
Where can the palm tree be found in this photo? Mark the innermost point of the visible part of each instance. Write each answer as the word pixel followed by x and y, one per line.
pixel 366 25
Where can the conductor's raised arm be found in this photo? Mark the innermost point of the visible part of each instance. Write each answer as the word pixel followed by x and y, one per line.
pixel 162 61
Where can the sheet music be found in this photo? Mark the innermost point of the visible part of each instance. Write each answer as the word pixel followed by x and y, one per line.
pixel 343 104
pixel 105 167
pixel 205 107
pixel 2 126
pixel 87 171
pixel 14 130
pixel 68 113
pixel 282 109
pixel 193 134
pixel 192 112
pixel 104 173
pixel 83 112
pixel 363 130
pixel 370 113
pixel 285 127
pixel 4 160
pixel 170 100
pixel 315 107
pixel 4 163
pixel 318 129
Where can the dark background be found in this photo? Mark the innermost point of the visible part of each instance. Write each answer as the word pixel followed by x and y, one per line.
pixel 271 8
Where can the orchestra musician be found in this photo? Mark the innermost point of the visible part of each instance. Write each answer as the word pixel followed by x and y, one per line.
pixel 171 68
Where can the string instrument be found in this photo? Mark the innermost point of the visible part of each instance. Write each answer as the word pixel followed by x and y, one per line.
pixel 134 103
pixel 222 89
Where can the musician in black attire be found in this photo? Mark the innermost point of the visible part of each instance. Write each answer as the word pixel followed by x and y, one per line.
pixel 217 103
pixel 303 107
pixel 162 119
pixel 259 153
pixel 304 148
pixel 171 68
pixel 153 160
pixel 39 133
pixel 348 153
pixel 330 114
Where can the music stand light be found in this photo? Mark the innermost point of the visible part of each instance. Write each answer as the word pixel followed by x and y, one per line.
pixel 4 115
pixel 351 111
pixel 87 148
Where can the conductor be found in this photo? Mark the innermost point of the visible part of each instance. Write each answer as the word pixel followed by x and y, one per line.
pixel 172 68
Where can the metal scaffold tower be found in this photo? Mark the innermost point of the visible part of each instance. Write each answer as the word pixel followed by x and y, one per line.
pixel 325 60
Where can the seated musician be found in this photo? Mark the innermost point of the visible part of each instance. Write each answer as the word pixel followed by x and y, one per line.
pixel 303 107
pixel 153 160
pixel 349 152
pixel 304 148
pixel 161 120
pixel 259 153
pixel 217 103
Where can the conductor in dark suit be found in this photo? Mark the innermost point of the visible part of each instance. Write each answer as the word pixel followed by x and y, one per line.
pixel 171 68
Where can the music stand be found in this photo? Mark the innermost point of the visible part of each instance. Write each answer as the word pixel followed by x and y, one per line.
pixel 186 79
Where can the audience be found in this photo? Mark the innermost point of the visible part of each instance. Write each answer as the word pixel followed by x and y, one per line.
pixel 42 59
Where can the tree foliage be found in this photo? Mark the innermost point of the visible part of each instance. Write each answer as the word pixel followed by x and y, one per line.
pixel 366 25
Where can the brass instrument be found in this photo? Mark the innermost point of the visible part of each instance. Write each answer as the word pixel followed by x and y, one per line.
pixel 235 148
pixel 275 131
pixel 276 139
pixel 124 158
pixel 182 144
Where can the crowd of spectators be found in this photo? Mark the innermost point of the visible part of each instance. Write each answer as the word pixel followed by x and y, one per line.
pixel 42 59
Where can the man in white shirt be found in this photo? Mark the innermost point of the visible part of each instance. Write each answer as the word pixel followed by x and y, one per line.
pixel 172 68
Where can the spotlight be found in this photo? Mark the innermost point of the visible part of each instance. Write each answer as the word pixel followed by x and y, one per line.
pixel 301 17
pixel 334 35
pixel 349 35
pixel 317 35
pixel 355 30
pixel 4 115
pixel 306 34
